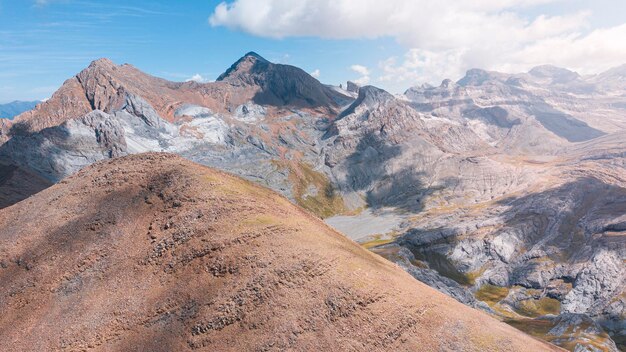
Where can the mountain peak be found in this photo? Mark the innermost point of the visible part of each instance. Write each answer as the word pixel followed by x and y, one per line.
pixel 446 83
pixel 371 93
pixel 102 63
pixel 369 96
pixel 253 55
pixel 278 84
pixel 352 87
pixel 245 65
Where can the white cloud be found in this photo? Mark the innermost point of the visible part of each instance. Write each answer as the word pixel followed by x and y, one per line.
pixel 419 65
pixel 443 37
pixel 197 78
pixel 315 73
pixel 364 72
pixel 362 81
pixel 360 69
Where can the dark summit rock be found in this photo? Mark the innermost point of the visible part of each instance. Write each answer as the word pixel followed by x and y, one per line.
pixel 352 87
pixel 279 84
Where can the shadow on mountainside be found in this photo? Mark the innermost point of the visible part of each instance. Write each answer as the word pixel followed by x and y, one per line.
pixel 562 222
pixel 568 224
pixel 74 263
pixel 18 183
pixel 567 218
pixel 564 125
pixel 19 156
pixel 371 170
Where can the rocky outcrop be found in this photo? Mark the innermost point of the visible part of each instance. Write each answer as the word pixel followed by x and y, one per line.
pixel 554 241
pixel 352 87
pixel 69 102
pixel 59 151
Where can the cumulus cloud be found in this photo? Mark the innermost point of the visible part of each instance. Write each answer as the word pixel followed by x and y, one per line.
pixel 364 72
pixel 197 78
pixel 443 37
pixel 315 73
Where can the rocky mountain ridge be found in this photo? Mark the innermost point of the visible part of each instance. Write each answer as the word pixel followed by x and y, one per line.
pixel 502 181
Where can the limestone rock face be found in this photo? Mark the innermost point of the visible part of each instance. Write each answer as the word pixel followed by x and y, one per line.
pixel 59 151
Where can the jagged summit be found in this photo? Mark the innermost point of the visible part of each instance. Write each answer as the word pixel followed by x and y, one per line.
pixel 352 87
pixel 252 54
pixel 102 62
pixel 106 86
pixel 369 97
pixel 279 84
pixel 245 64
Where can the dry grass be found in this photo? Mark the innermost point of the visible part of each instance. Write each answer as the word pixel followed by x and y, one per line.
pixel 538 307
pixel 326 202
pixel 376 242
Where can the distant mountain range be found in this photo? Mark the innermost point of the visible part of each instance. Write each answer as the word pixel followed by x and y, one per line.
pixel 504 191
pixel 12 109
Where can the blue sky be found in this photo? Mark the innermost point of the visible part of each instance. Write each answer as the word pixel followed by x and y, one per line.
pixel 44 42
pixel 43 45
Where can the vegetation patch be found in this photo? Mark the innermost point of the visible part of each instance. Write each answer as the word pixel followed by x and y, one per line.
pixel 538 307
pixel 312 190
pixel 376 242
pixel 534 327
pixel 491 294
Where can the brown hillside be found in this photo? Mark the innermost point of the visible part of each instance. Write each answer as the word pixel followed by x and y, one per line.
pixel 155 253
